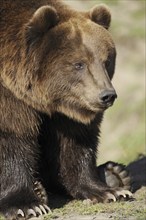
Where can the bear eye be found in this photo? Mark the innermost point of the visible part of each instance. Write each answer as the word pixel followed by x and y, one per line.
pixel 79 66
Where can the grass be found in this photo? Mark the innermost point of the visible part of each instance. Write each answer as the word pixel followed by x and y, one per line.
pixel 134 210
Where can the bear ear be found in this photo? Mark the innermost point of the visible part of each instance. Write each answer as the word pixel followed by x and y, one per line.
pixel 101 15
pixel 43 19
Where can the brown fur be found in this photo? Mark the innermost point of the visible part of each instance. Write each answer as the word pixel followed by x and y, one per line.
pixel 25 76
pixel 57 65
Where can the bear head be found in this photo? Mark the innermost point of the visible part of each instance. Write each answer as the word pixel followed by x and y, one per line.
pixel 69 62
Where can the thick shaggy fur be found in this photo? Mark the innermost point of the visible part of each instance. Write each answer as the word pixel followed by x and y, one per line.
pixel 56 62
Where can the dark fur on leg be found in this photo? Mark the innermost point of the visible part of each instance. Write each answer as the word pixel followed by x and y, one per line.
pixel 17 196
pixel 74 157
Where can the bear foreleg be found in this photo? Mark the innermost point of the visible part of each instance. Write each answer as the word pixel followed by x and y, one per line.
pixel 81 179
pixel 18 198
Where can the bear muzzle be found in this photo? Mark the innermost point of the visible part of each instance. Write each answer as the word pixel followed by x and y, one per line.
pixel 107 98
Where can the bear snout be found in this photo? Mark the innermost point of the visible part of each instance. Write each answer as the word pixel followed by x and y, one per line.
pixel 107 98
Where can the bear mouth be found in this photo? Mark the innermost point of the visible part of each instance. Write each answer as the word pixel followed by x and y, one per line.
pixel 96 107
pixel 85 112
pixel 104 107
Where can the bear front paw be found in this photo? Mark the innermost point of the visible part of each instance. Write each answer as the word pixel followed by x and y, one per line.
pixel 27 213
pixel 104 195
pixel 107 197
pixel 25 205
pixel 35 211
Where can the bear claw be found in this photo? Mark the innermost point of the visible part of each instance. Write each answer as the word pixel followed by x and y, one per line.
pixel 124 193
pixel 34 212
pixel 38 210
pixel 119 195
pixel 47 208
pixel 31 213
pixel 43 209
pixel 20 213
pixel 110 198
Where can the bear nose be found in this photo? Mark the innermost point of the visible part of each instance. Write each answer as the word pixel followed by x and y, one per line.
pixel 107 97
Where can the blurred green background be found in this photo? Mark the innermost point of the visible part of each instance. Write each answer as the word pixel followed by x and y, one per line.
pixel 123 128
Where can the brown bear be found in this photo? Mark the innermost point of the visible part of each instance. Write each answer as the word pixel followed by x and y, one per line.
pixel 55 84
